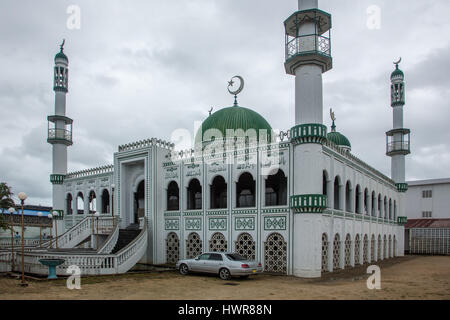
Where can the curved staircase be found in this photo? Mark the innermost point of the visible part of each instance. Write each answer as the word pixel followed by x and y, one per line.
pixel 122 249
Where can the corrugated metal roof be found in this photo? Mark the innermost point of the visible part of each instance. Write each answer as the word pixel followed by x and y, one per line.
pixel 427 223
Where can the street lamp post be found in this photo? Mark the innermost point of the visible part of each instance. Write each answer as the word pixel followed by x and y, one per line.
pixel 55 215
pixel 11 211
pixel 50 216
pixel 96 237
pixel 23 197
pixel 40 214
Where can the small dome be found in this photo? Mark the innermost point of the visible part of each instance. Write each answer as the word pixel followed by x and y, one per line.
pixel 338 138
pixel 62 56
pixel 397 73
pixel 235 118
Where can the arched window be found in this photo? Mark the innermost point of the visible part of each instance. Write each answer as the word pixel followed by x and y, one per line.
pixel 219 193
pixel 245 191
pixel 374 199
pixel 80 203
pixel 385 208
pixel 357 249
pixel 380 205
pixel 105 201
pixel 366 201
pixel 372 249
pixel 92 202
pixel 347 251
pixel 348 197
pixel 276 189
pixel 218 243
pixel 172 248
pixel 193 245
pixel 358 199
pixel 324 252
pixel 336 196
pixel 275 254
pixel 390 209
pixel 69 204
pixel 194 197
pixel 395 210
pixel 173 197
pixel 325 183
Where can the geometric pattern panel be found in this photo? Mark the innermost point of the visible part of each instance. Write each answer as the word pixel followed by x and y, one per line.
pixel 172 224
pixel 193 223
pixel 336 252
pixel 193 245
pixel 348 250
pixel 274 223
pixel 172 248
pixel 246 247
pixel 324 253
pixel 217 224
pixel 244 223
pixel 366 250
pixel 275 254
pixel 218 243
pixel 357 249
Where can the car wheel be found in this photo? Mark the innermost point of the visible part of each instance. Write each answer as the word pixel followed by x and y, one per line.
pixel 224 274
pixel 184 270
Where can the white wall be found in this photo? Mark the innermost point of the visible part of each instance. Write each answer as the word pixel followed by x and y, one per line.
pixel 438 204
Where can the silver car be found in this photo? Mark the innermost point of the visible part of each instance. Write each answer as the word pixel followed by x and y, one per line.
pixel 225 264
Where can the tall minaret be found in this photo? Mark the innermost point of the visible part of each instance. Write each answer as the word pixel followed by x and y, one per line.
pixel 60 131
pixel 308 55
pixel 398 139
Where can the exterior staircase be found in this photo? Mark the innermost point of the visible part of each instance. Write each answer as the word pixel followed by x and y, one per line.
pixel 119 253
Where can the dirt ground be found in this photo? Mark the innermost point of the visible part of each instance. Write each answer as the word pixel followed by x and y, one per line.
pixel 410 277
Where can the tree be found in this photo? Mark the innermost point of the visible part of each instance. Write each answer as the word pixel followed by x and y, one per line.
pixel 6 202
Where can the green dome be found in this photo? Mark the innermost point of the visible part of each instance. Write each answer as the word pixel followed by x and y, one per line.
pixel 235 118
pixel 397 73
pixel 339 139
pixel 61 55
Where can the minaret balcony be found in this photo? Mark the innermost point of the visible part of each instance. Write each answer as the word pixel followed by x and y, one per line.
pixel 398 142
pixel 308 40
pixel 62 136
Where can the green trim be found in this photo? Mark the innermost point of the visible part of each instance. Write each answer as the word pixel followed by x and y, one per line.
pixel 60 215
pixel 219 212
pixel 193 224
pixel 402 187
pixel 244 223
pixel 309 133
pixel 248 211
pixel 172 224
pixel 193 213
pixel 309 203
pixel 217 224
pixel 402 220
pixel 57 178
pixel 275 223
pixel 281 210
pixel 172 214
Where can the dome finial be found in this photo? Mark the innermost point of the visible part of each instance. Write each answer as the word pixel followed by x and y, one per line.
pixel 236 92
pixel 62 45
pixel 397 63
pixel 333 118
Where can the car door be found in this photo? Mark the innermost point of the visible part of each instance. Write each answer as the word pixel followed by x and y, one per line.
pixel 214 263
pixel 198 265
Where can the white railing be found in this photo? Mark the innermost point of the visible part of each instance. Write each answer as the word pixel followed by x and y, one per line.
pixel 6 243
pixel 89 264
pixel 5 261
pixel 111 241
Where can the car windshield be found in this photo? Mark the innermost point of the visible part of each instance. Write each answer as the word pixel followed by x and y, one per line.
pixel 235 257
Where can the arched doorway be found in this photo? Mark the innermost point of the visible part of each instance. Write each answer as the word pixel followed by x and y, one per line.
pixel 194 197
pixel 276 189
pixel 139 202
pixel 69 204
pixel 245 246
pixel 218 193
pixel 172 248
pixel 275 254
pixel 80 203
pixel 105 201
pixel 336 252
pixel 92 202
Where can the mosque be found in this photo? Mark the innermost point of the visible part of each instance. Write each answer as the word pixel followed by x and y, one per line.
pixel 297 201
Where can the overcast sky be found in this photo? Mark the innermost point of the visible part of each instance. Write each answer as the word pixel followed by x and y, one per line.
pixel 142 69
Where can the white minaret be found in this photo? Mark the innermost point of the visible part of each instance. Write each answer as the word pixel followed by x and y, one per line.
pixel 60 133
pixel 308 55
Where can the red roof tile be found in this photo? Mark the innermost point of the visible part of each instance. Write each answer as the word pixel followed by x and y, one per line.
pixel 427 223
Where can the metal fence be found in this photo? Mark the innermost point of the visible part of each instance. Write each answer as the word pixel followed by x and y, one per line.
pixel 429 241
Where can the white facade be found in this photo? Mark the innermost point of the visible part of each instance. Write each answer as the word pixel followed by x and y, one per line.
pixel 428 199
pixel 301 206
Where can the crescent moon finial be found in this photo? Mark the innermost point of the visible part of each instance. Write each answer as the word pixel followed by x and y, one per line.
pixel 62 45
pixel 239 90
pixel 398 62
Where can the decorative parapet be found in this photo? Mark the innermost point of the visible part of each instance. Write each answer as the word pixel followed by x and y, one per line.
pixel 402 187
pixel 90 172
pixel 309 203
pixel 57 178
pixel 309 133
pixel 346 154
pixel 146 143
pixel 402 220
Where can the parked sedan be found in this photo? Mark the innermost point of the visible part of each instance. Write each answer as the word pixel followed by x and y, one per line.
pixel 225 264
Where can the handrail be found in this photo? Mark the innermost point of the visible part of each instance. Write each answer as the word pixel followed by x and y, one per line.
pixel 111 241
